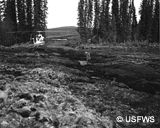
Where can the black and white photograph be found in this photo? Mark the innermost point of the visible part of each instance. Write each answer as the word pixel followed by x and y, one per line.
pixel 79 64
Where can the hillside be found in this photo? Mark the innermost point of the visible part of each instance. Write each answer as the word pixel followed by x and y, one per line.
pixel 61 32
pixel 62 36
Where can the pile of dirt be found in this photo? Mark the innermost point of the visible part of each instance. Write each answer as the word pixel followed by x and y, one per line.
pixel 37 99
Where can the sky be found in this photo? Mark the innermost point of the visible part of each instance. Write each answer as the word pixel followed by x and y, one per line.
pixel 64 12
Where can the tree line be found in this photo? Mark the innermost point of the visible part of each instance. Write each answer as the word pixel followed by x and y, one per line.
pixel 116 21
pixel 19 18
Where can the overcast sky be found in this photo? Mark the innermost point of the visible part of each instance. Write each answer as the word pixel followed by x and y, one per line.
pixel 64 12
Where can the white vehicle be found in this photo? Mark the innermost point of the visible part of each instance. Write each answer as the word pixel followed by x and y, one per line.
pixel 39 40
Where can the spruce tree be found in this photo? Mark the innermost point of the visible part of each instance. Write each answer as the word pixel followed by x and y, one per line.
pixel 116 19
pixel 2 3
pixel 89 17
pixel 133 21
pixel 10 19
pixel 37 14
pixel 105 19
pixel 125 20
pixel 29 19
pixel 96 24
pixel 146 19
pixel 21 15
pixel 150 10
pixel 2 25
pixel 2 9
pixel 90 13
pixel 45 9
pixel 29 12
pixel 142 22
pixel 10 22
pixel 113 29
pixel 22 36
pixel 40 9
pixel 82 21
pixel 155 24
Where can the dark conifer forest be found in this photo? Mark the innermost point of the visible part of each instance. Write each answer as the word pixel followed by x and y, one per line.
pixel 119 24
pixel 19 18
